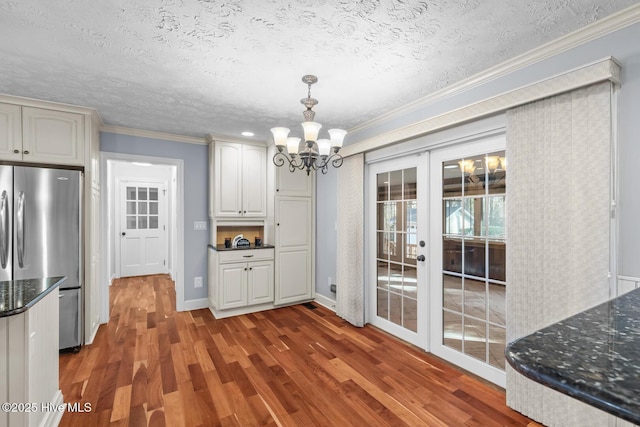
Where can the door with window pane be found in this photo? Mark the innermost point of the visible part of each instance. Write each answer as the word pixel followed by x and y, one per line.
pixel 143 243
pixel 470 237
pixel 394 230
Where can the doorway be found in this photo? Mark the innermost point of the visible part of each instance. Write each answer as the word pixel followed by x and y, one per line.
pixel 116 168
pixel 436 252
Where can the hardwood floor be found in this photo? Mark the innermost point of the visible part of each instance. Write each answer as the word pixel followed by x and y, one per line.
pixel 294 366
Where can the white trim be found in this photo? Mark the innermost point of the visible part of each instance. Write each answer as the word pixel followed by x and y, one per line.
pixel 52 418
pixel 39 103
pixel 177 240
pixel 94 331
pixel 121 130
pixel 605 69
pixel 326 302
pixel 600 28
pixel 195 304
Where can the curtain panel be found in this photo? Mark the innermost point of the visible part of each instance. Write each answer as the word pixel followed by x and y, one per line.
pixel 350 262
pixel 558 224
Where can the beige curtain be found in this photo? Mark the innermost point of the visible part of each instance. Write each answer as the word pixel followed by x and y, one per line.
pixel 350 263
pixel 558 195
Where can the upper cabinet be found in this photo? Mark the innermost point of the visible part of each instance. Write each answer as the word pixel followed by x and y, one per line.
pixel 239 180
pixel 38 135
pixel 297 183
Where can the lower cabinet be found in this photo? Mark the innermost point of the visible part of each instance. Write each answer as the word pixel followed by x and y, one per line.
pixel 243 284
pixel 240 281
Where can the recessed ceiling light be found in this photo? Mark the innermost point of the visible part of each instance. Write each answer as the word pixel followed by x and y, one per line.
pixel 247 133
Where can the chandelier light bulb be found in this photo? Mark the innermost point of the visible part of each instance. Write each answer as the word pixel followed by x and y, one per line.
pixel 293 145
pixel 337 137
pixel 324 146
pixel 280 136
pixel 311 130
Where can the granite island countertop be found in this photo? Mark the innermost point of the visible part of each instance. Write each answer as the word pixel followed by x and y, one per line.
pixel 593 356
pixel 17 296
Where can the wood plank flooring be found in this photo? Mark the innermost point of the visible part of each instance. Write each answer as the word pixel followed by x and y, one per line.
pixel 294 366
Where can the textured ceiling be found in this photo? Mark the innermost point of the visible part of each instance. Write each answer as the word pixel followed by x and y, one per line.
pixel 194 67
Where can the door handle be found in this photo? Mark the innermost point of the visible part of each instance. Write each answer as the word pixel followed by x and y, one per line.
pixel 421 258
pixel 124 234
pixel 4 229
pixel 20 226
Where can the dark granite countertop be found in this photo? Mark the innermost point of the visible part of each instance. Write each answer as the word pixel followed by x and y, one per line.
pixel 252 246
pixel 593 356
pixel 17 296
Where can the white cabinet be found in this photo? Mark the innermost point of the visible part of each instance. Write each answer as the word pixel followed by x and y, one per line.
pixel 30 344
pixel 39 135
pixel 294 250
pixel 239 180
pixel 10 132
pixel 296 183
pixel 240 278
pixel 244 284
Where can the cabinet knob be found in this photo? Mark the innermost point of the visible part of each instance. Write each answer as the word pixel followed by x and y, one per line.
pixel 239 212
pixel 277 189
pixel 245 211
pixel 16 151
pixel 278 224
pixel 245 269
pixel 26 151
pixel 250 268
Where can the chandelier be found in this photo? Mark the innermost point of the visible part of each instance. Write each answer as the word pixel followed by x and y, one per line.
pixel 316 153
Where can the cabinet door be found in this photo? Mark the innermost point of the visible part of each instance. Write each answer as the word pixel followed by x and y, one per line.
pixel 296 183
pixel 52 136
pixel 260 282
pixel 293 275
pixel 228 179
pixel 10 132
pixel 233 285
pixel 254 181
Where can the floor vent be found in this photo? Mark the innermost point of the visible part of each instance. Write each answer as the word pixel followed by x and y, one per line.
pixel 309 306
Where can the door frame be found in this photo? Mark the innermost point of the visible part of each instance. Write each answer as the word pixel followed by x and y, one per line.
pixel 176 222
pixel 421 162
pixel 121 181
pixel 491 143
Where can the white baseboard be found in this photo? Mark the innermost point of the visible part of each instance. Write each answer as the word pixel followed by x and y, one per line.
pixel 53 417
pixel 195 304
pixel 93 333
pixel 326 302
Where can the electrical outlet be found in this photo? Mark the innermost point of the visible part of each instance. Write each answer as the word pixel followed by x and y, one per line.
pixel 329 280
pixel 197 282
pixel 200 225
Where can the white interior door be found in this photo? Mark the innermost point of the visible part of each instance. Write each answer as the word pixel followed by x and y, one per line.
pixel 143 234
pixel 397 251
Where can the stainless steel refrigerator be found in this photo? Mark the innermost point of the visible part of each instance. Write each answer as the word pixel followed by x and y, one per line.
pixel 40 235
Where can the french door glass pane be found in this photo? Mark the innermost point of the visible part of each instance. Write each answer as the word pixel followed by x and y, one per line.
pixel 473 258
pixel 397 234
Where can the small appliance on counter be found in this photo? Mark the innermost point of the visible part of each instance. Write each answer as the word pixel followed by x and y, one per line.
pixel 240 242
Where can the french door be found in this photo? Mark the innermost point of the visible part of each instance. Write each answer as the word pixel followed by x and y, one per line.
pixel 397 248
pixel 436 253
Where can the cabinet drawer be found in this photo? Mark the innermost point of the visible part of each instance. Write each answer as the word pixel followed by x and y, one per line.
pixel 245 255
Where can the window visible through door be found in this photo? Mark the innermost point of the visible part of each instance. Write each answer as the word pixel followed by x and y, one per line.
pixel 142 207
pixel 396 233
pixel 473 256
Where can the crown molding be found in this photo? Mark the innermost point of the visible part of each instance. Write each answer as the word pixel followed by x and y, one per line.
pixel 121 130
pixel 600 28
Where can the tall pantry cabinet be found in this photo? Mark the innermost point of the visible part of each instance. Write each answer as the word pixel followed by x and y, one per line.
pixel 294 220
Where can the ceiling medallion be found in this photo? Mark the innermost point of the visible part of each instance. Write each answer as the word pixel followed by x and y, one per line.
pixel 316 153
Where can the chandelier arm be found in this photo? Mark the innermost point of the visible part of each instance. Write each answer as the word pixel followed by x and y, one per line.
pixel 280 158
pixel 337 161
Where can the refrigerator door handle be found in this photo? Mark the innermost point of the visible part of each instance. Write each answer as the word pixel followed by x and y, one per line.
pixel 20 225
pixel 4 229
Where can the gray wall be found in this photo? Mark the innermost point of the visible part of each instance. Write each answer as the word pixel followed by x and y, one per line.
pixel 195 159
pixel 623 46
pixel 326 234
